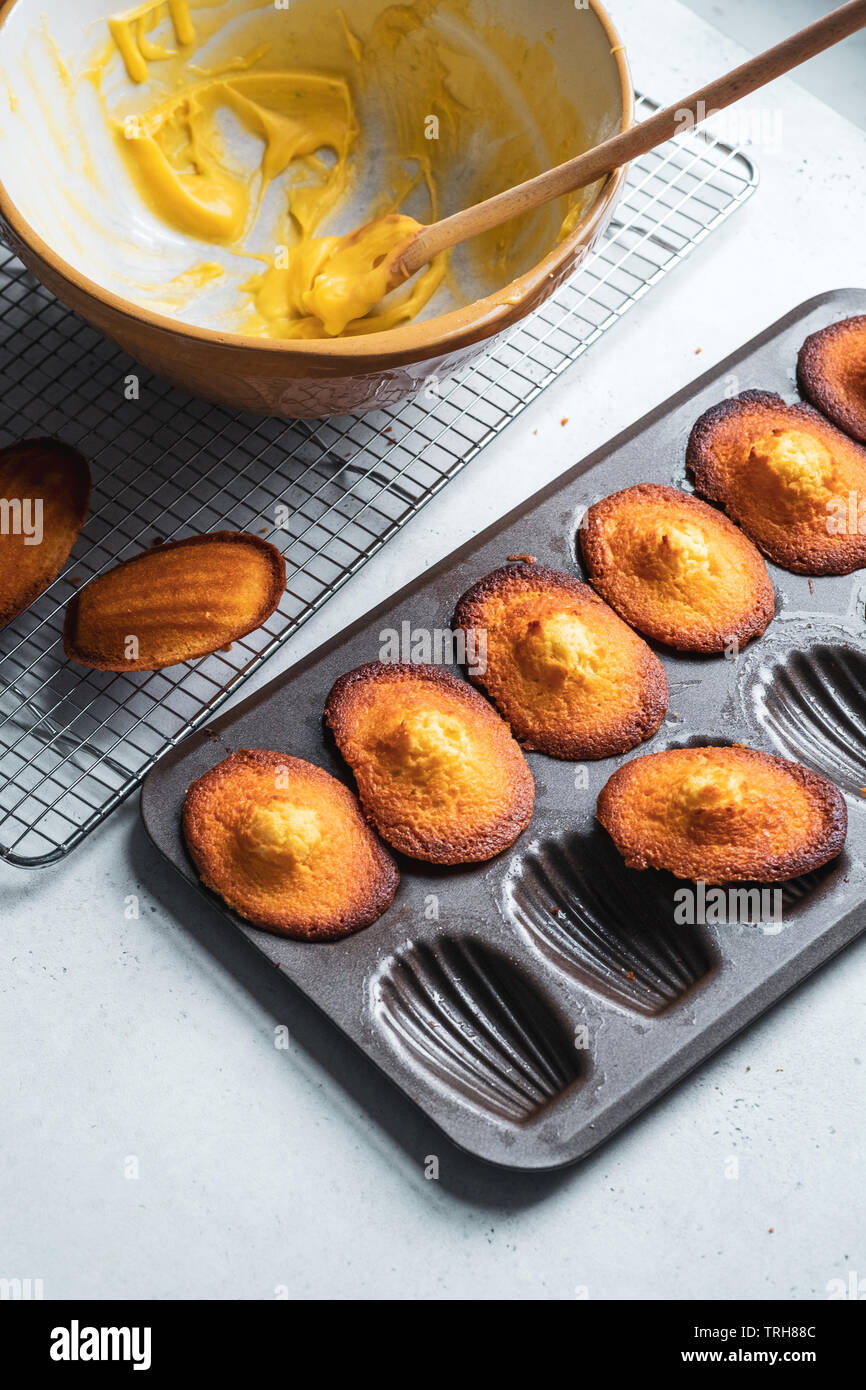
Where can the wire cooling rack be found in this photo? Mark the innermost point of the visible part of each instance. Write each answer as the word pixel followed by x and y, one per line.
pixel 74 743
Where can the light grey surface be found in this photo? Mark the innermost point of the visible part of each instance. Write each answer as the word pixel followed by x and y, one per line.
pixel 837 77
pixel 263 1170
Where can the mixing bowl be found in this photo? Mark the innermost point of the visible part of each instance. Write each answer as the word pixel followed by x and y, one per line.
pixel 74 214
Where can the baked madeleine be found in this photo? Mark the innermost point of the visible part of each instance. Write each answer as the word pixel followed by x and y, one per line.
pixel 44 492
pixel 831 373
pixel 787 476
pixel 722 815
pixel 438 773
pixel 175 602
pixel 676 569
pixel 286 846
pixel 569 677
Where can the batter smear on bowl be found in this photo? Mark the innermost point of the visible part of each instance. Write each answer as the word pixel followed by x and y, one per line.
pixel 256 149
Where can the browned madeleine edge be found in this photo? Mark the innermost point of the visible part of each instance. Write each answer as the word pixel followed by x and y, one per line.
pixel 367 910
pixel 470 614
pixel 837 555
pixel 819 382
pixel 79 506
pixel 831 833
pixel 278 583
pixel 473 847
pixel 753 621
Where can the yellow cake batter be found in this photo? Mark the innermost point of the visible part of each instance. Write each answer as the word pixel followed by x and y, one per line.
pixel 301 119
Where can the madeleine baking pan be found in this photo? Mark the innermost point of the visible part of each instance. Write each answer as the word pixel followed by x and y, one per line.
pixel 534 1004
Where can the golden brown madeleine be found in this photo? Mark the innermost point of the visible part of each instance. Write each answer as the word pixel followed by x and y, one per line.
pixel 723 814
pixel 676 569
pixel 175 603
pixel 44 492
pixel 286 846
pixel 786 475
pixel 569 677
pixel 831 372
pixel 438 773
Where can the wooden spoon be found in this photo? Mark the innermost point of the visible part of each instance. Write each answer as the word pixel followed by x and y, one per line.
pixel 630 144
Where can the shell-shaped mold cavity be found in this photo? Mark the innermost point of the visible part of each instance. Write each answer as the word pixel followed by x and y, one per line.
pixel 609 927
pixel 811 704
pixel 471 1024
pixel 798 892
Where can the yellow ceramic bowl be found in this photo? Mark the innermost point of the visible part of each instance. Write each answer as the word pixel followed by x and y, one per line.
pixel 73 214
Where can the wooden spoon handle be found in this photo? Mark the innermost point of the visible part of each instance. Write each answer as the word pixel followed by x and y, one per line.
pixel 638 140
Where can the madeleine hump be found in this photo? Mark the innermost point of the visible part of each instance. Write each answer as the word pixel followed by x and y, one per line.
pixel 569 677
pixel 787 476
pixel 285 845
pixel 676 569
pixel 438 772
pixel 722 815
pixel 175 603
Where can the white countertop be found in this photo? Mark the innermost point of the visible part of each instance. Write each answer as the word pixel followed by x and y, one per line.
pixel 300 1170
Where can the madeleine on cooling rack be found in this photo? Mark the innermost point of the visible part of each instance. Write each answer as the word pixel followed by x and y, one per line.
pixel 175 602
pixel 50 483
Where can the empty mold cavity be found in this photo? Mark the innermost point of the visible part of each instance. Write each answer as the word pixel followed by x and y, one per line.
pixel 811 704
pixel 609 927
pixel 471 1023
